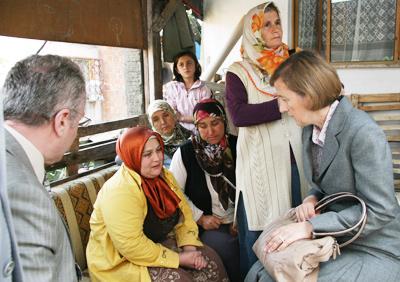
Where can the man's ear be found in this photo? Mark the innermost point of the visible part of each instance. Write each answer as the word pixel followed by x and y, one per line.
pixel 62 121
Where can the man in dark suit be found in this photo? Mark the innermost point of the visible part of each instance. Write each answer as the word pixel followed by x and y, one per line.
pixel 44 101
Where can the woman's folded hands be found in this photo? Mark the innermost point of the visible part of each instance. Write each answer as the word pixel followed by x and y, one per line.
pixel 192 258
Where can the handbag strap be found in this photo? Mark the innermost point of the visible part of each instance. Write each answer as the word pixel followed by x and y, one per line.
pixel 323 203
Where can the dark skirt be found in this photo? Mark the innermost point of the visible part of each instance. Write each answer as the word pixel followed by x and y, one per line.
pixel 213 272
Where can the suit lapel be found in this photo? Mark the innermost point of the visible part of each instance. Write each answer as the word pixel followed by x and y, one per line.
pixel 307 133
pixel 335 126
pixel 329 151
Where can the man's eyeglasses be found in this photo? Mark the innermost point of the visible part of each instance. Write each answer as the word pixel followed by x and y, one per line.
pixel 85 121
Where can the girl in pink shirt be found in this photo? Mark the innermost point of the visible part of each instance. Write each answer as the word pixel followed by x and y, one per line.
pixel 186 90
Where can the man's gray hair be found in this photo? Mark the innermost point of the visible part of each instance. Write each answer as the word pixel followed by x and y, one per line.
pixel 37 87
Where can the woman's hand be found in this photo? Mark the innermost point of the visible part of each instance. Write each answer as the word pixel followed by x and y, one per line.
pixel 233 230
pixel 209 222
pixel 192 259
pixel 306 210
pixel 285 235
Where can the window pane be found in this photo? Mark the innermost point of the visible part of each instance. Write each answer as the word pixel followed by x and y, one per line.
pixel 363 30
pixel 308 26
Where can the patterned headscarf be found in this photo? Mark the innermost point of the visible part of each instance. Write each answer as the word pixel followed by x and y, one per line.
pixel 179 134
pixel 215 159
pixel 129 148
pixel 254 48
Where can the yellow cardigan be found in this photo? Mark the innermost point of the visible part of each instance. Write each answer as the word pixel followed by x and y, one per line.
pixel 118 250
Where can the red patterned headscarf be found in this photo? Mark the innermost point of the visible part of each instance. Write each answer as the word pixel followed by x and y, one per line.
pixel 129 148
pixel 216 160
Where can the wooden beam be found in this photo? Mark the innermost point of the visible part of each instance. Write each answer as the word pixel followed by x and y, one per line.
pixel 386 107
pixel 73 177
pixel 354 100
pixel 318 25
pixel 112 125
pixel 387 117
pixel 101 22
pixel 99 152
pixel 372 98
pixel 295 25
pixel 152 60
pixel 328 31
pixel 389 121
pixel 72 168
pixel 393 138
pixel 157 60
pixel 396 55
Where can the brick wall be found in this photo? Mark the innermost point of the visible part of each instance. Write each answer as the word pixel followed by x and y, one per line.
pixel 122 87
pixel 134 82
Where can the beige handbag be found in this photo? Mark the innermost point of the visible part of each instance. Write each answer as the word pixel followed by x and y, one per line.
pixel 300 260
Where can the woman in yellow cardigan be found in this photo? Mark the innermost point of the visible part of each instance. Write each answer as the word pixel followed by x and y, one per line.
pixel 141 226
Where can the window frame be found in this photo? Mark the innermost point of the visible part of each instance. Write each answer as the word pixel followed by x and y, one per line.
pixel 347 64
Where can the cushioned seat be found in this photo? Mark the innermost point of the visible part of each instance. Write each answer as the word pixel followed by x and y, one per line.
pixel 75 201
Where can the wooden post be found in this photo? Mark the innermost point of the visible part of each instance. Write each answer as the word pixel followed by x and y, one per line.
pixel 354 100
pixel 396 55
pixel 73 169
pixel 328 32
pixel 295 24
pixel 152 59
pixel 318 24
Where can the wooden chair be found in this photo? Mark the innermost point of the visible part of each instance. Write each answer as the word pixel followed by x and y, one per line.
pixel 385 109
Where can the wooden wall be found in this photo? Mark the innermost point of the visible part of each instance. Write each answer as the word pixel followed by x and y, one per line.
pixel 119 23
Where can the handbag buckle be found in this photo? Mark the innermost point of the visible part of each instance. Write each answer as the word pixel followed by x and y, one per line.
pixel 335 250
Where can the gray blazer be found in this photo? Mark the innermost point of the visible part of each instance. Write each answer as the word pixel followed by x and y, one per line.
pixel 44 246
pixel 10 266
pixel 356 158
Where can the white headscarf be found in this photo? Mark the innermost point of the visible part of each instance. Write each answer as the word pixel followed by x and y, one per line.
pixel 178 136
pixel 254 49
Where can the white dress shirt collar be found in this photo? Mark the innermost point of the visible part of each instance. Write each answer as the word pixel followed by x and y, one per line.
pixel 34 155
pixel 319 135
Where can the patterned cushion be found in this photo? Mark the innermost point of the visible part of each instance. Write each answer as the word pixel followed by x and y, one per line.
pixel 74 201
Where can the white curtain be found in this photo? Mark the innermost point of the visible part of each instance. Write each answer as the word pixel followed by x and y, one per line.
pixel 363 30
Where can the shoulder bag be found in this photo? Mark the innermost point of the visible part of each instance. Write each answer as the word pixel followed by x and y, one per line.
pixel 300 260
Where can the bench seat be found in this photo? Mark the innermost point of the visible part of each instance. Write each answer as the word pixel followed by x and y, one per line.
pixel 385 110
pixel 74 201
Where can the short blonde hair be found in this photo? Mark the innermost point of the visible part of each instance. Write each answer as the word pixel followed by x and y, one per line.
pixel 307 74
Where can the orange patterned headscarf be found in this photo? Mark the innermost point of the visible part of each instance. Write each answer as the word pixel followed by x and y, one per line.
pixel 129 148
pixel 254 48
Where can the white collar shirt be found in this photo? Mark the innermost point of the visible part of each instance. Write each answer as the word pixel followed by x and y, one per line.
pixel 319 135
pixel 34 155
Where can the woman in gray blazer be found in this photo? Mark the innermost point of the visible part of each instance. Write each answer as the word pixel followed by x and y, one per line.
pixel 344 150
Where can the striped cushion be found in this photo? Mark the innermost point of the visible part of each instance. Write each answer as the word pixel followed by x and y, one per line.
pixel 74 201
